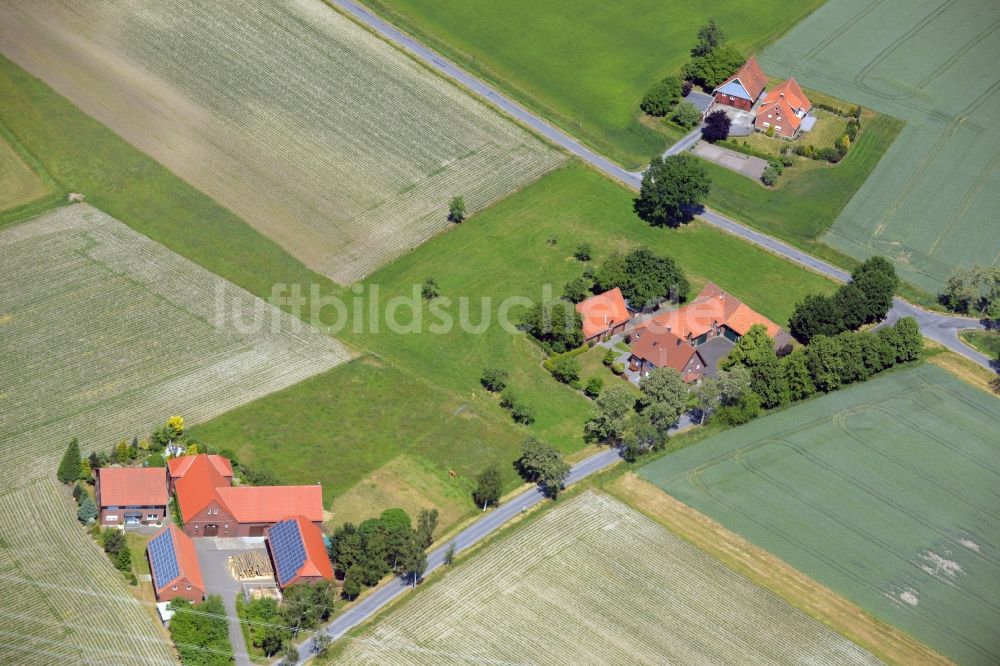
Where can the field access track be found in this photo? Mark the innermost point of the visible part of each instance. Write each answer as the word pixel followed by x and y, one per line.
pixel 334 144
pixel 595 582
pixel 886 492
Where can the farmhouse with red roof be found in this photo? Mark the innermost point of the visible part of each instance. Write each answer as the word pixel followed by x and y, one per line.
pixel 211 506
pixel 604 315
pixel 178 467
pixel 298 553
pixel 784 108
pixel 173 565
pixel 131 495
pixel 742 89
pixel 693 338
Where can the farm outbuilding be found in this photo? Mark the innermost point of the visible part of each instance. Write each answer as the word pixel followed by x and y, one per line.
pixel 173 564
pixel 298 552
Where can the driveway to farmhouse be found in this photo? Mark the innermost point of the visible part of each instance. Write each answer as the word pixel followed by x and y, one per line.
pixel 212 555
pixel 748 165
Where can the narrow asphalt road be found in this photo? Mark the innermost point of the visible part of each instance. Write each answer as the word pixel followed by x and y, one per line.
pixel 489 523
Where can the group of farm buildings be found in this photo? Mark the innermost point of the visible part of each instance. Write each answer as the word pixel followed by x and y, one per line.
pixel 288 517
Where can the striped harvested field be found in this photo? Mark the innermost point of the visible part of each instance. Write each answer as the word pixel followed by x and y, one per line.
pixel 326 139
pixel 595 582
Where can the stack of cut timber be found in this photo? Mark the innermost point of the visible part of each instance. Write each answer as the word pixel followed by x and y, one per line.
pixel 251 564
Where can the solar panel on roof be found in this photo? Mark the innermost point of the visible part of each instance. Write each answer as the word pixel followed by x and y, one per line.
pixel 287 549
pixel 163 557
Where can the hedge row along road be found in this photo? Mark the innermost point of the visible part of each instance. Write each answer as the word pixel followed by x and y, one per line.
pixel 940 328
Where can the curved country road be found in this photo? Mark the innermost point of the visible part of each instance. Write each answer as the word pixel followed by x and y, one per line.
pixel 938 327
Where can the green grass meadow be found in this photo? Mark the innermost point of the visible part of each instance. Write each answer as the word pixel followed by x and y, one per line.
pixel 508 251
pixel 930 203
pixel 586 65
pixel 988 342
pixel 886 492
pixel 810 195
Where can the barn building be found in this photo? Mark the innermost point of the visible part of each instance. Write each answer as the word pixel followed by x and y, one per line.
pixel 211 506
pixel 742 89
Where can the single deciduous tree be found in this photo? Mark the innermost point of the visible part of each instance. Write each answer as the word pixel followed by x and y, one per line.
pixel 429 290
pixel 494 380
pixel 414 561
pixel 664 396
pixel 714 67
pixel 426 524
pixel 710 36
pixel 686 115
pixel 577 289
pixel 456 210
pixel 566 369
pixel 543 464
pixel 672 189
pixel 489 486
pixel 708 394
pixel 716 127
pixel 609 417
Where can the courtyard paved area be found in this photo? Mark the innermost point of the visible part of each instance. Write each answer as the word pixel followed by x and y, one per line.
pixel 713 351
pixel 749 166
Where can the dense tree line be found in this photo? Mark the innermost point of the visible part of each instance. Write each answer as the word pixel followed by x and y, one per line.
pixel 364 553
pixel 712 60
pixel 556 325
pixel 867 298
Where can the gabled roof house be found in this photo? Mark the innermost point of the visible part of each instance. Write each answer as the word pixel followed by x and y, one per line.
pixel 131 495
pixel 742 89
pixel 691 338
pixel 298 553
pixel 784 108
pixel 211 506
pixel 173 565
pixel 604 315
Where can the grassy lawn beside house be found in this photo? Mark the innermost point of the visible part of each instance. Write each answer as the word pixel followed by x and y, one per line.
pixel 809 196
pixel 137 549
pixel 585 65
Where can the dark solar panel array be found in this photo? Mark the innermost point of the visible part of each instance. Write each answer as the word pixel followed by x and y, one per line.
pixel 164 559
pixel 287 549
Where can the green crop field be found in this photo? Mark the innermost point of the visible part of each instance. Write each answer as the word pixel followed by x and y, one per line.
pixel 326 139
pixel 930 203
pixel 61 600
pixel 106 334
pixel 595 582
pixel 886 492
pixel 586 64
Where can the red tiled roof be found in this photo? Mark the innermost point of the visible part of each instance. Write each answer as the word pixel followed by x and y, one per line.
pixel 664 350
pixel 179 466
pixel 133 486
pixel 751 77
pixel 783 100
pixel 602 312
pixel 711 306
pixel 317 562
pixel 268 504
pixel 196 488
pixel 187 559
